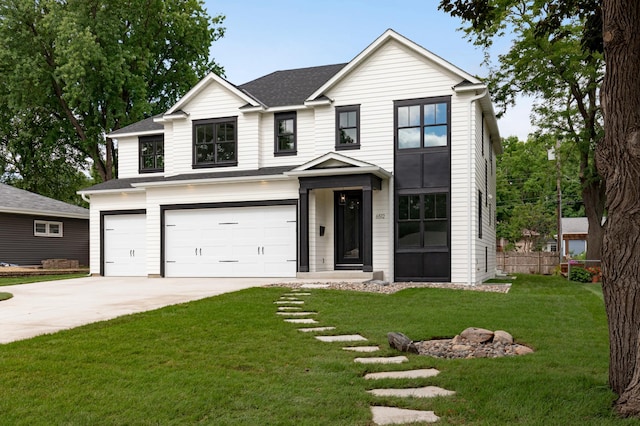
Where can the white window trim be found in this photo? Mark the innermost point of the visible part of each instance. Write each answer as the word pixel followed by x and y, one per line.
pixel 48 232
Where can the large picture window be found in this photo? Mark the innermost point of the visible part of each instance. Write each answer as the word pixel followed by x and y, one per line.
pixel 423 220
pixel 348 127
pixel 285 133
pixel 151 150
pixel 215 142
pixel 422 124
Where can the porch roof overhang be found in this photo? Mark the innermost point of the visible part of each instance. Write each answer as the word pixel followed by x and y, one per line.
pixel 334 164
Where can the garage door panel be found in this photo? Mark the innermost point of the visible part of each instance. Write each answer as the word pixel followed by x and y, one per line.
pixel 235 242
pixel 124 245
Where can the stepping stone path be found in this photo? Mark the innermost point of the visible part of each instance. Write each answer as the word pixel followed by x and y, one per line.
pixel 381 415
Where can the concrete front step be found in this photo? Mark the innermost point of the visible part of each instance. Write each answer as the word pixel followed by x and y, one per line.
pixel 361 348
pixel 425 392
pixel 342 338
pixel 340 275
pixel 296 314
pixel 409 374
pixel 382 360
pixel 398 416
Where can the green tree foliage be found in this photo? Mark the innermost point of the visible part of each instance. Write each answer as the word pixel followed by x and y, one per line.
pixel 547 61
pixel 527 192
pixel 94 66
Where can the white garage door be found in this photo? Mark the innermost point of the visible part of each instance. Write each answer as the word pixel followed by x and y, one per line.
pixel 231 242
pixel 125 245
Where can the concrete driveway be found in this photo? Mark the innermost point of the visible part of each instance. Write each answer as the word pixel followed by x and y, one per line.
pixel 47 307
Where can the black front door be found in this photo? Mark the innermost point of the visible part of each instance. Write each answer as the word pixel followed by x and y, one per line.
pixel 348 219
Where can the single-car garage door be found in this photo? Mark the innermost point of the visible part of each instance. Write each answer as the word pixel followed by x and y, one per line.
pixel 125 245
pixel 231 242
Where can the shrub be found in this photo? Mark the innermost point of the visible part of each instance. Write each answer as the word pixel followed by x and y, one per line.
pixel 580 275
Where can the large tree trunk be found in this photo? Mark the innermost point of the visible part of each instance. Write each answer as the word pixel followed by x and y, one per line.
pixel 593 196
pixel 618 159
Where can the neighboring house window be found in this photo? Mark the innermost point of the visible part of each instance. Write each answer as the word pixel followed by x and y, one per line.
pixel 43 228
pixel 348 127
pixel 151 150
pixel 422 123
pixel 285 134
pixel 215 142
pixel 422 220
pixel 479 214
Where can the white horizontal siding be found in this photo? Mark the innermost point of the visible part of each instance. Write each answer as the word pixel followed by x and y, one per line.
pixel 128 157
pixel 382 218
pixel 107 202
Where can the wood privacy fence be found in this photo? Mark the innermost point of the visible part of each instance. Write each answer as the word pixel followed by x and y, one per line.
pixel 513 262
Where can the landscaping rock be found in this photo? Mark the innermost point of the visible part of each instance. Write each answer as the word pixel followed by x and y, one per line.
pixel 477 335
pixel 501 336
pixel 401 342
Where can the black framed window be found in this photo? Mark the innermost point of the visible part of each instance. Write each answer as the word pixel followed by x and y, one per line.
pixel 215 142
pixel 422 123
pixel 423 220
pixel 285 129
pixel 479 214
pixel 151 154
pixel 348 127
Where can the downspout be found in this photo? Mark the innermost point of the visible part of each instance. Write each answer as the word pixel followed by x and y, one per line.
pixel 471 192
pixel 85 198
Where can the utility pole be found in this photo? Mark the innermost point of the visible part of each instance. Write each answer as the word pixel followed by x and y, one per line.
pixel 559 207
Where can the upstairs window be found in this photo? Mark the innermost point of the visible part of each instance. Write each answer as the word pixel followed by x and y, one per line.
pixel 422 124
pixel 151 153
pixel 43 228
pixel 347 127
pixel 285 134
pixel 215 142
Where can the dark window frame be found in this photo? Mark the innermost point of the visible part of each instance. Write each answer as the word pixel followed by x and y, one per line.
pixel 277 117
pixel 480 215
pixel 214 122
pixel 422 102
pixel 347 109
pixel 482 137
pixel 422 220
pixel 155 139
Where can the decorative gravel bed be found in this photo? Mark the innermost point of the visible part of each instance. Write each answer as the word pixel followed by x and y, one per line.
pixel 389 288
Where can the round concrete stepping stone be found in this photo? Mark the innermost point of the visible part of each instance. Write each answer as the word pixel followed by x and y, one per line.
pixel 289 302
pixel 361 348
pixel 296 314
pixel 314 286
pixel 382 360
pixel 398 416
pixel 314 329
pixel 289 308
pixel 410 374
pixel 425 392
pixel 301 320
pixel 342 338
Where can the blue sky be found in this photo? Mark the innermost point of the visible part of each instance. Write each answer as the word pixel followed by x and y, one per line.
pixel 263 36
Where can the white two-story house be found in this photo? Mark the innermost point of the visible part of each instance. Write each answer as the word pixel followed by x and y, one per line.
pixel 382 167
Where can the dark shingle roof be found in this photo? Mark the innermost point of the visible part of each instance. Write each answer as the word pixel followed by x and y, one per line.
pixel 15 200
pixel 126 183
pixel 146 125
pixel 290 87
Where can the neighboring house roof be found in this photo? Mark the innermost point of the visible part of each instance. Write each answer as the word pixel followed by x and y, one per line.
pixel 19 201
pixel 290 87
pixel 575 225
pixel 132 183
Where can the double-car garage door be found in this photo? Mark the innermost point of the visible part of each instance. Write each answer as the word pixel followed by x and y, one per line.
pixel 231 242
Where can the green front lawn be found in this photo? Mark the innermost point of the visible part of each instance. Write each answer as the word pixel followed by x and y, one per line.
pixel 229 360
pixel 37 278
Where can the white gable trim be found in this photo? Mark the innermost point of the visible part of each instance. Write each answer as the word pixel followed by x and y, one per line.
pixel 202 84
pixel 350 166
pixel 379 42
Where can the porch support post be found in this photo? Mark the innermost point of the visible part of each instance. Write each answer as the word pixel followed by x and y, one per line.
pixel 367 228
pixel 304 230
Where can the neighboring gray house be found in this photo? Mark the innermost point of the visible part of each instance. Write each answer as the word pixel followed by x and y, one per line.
pixel 380 167
pixel 34 228
pixel 574 235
